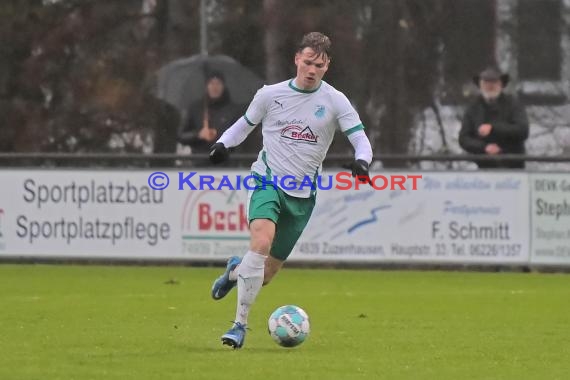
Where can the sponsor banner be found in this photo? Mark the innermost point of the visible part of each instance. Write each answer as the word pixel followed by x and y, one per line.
pixel 118 214
pixel 451 217
pixel 550 216
pixel 69 213
pixel 214 221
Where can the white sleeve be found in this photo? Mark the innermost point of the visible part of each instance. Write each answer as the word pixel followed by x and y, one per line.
pixel 361 144
pixel 347 117
pixel 258 107
pixel 236 134
pixel 255 113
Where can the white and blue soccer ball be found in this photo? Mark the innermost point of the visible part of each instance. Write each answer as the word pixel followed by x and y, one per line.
pixel 289 325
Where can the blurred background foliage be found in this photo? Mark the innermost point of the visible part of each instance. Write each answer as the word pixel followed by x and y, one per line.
pixel 78 76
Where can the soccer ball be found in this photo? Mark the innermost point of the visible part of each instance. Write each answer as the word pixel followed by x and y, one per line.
pixel 289 325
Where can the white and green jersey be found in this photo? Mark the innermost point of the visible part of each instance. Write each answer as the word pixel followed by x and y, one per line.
pixel 298 129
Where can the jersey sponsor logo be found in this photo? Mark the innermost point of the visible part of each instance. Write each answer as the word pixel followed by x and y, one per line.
pixel 320 111
pixel 297 133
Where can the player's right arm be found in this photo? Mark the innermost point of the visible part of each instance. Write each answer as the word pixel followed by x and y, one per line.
pixel 239 131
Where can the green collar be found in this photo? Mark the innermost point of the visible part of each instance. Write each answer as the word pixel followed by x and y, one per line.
pixel 304 91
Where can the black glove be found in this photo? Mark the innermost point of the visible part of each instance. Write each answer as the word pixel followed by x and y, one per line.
pixel 218 153
pixel 359 169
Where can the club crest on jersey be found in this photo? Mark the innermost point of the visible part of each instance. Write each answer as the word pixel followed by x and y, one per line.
pixel 297 133
pixel 320 111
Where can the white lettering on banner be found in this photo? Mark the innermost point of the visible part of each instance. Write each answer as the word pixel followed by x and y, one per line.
pixel 550 222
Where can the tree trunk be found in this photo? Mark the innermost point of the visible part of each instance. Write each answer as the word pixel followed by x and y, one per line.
pixel 274 71
pixel 395 124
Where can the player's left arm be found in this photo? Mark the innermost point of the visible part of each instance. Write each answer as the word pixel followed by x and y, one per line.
pixel 352 127
pixel 362 146
pixel 362 154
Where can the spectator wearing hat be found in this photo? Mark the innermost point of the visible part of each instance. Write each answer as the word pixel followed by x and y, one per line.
pixel 495 123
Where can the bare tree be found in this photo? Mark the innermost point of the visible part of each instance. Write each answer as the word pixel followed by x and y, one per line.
pixel 273 40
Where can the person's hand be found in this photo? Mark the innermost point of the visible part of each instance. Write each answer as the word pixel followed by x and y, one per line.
pixel 492 149
pixel 208 134
pixel 485 129
pixel 218 153
pixel 359 170
pixel 204 134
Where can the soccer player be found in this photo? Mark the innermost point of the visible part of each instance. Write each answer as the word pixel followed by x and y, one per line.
pixel 299 118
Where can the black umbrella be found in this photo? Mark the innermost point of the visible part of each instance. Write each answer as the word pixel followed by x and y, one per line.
pixel 182 81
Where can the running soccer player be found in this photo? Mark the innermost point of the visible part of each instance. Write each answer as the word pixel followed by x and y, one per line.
pixel 299 118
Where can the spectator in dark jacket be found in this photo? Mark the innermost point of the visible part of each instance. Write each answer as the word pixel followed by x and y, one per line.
pixel 495 123
pixel 209 117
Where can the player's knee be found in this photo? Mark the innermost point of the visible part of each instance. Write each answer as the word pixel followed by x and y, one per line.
pixel 261 244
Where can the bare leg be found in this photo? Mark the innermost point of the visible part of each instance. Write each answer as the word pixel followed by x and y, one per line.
pixel 272 266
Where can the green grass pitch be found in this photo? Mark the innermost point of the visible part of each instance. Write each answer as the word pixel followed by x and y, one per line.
pixel 113 322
